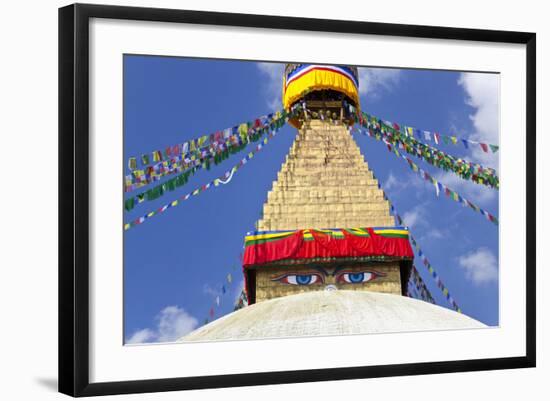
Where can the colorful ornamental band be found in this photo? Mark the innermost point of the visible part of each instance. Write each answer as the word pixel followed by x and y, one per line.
pixel 265 247
pixel 303 78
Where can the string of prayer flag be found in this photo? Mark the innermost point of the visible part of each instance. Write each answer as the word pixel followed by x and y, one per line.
pixel 399 221
pixel 202 142
pixel 177 182
pixel 205 142
pixel 421 291
pixel 242 301
pixel 439 187
pixel 426 263
pixel 215 152
pixel 435 137
pixel 219 294
pixel 466 170
pixel 214 183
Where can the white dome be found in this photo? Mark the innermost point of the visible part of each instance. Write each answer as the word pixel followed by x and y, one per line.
pixel 319 313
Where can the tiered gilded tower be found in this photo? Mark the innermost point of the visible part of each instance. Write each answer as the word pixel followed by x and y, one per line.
pixel 324 184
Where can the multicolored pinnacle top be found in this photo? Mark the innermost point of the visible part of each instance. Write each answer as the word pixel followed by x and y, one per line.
pixel 336 82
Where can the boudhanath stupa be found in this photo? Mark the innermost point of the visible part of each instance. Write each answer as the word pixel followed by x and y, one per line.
pixel 327 257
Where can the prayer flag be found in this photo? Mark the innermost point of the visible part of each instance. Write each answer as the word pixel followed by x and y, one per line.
pixel 202 140
pixel 129 204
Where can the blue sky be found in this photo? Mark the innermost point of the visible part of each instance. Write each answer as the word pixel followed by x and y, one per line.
pixel 176 263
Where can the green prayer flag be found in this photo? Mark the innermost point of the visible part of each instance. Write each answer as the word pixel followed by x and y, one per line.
pixel 129 204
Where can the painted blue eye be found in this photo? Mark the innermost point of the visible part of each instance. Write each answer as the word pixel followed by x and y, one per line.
pixel 356 277
pixel 299 279
pixel 303 279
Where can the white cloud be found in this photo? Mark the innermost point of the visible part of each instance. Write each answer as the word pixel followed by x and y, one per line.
pixel 373 81
pixel 411 217
pixel 392 182
pixel 415 217
pixel 211 291
pixel 273 84
pixel 397 184
pixel 435 233
pixel 483 94
pixel 141 336
pixel 480 266
pixel 173 323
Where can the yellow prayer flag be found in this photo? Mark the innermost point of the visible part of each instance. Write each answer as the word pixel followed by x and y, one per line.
pixel 202 140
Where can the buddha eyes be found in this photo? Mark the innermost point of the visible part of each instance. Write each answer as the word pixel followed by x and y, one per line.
pixel 355 277
pixel 345 277
pixel 300 279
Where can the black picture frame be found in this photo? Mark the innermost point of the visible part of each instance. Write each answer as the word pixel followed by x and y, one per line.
pixel 74 198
